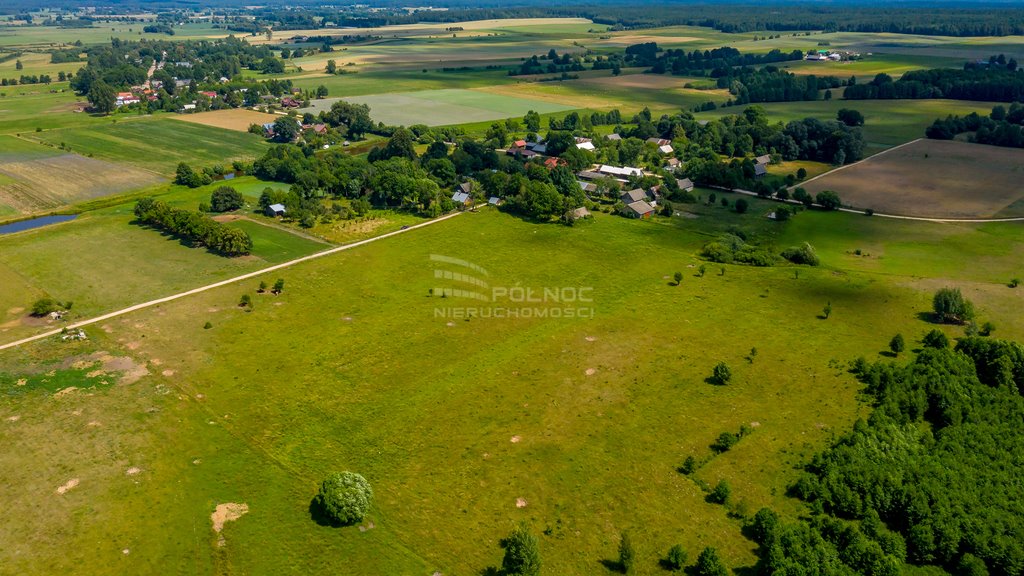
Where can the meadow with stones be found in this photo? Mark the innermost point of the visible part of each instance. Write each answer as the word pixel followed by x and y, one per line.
pixel 189 436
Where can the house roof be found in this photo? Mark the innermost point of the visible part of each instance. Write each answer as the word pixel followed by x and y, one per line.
pixel 587 186
pixel 580 212
pixel 588 145
pixel 553 162
pixel 589 175
pixel 640 207
pixel 460 197
pixel 760 170
pixel 634 195
pixel 613 137
pixel 763 159
pixel 494 200
pixel 617 171
pixel 684 184
pixel 519 143
pixel 465 187
pixel 665 149
pixel 659 141
pixel 277 207
pixel 672 161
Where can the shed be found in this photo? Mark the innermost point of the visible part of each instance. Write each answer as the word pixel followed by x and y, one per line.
pixel 634 195
pixel 275 210
pixel 638 209
pixel 460 198
pixel 760 170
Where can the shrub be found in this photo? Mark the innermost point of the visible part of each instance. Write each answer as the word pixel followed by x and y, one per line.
pixel 741 205
pixel 627 555
pixel 725 441
pixel 344 498
pixel 763 525
pixel 828 200
pixel 721 374
pixel 245 301
pixel 207 326
pixel 950 306
pixel 709 564
pixel 521 555
pixel 801 173
pixel 44 306
pixel 689 465
pixel 279 286
pixel 1015 282
pixel 935 339
pixel 804 254
pixel 677 558
pixel 897 344
pixel 721 493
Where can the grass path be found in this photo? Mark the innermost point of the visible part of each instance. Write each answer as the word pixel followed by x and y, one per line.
pixel 246 276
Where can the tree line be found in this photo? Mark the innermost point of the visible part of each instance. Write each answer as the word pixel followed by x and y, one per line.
pixel 194 227
pixel 995 80
pixel 999 128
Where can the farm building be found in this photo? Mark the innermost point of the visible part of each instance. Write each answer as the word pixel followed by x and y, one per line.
pixel 623 172
pixel 587 187
pixel 665 149
pixel 672 162
pixel 635 195
pixel 760 170
pixel 638 209
pixel 763 159
pixel 465 188
pixel 589 175
pixel 275 210
pixel 553 162
pixel 685 184
pixel 580 212
pixel 659 142
pixel 494 201
pixel 613 137
pixel 588 145
pixel 462 199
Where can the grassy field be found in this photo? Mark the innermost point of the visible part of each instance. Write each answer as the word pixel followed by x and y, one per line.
pixel 453 420
pixel 158 143
pixel 441 107
pixel 939 179
pixel 101 262
pixel 231 119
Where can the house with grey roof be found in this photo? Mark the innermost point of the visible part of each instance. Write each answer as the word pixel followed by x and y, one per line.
pixel 760 170
pixel 634 195
pixel 685 184
pixel 275 210
pixel 638 209
pixel 763 159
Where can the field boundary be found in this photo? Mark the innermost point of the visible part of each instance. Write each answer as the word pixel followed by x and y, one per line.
pixel 844 166
pixel 246 276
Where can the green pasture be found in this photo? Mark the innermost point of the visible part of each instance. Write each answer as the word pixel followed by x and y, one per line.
pixel 34 64
pixel 866 69
pixel 439 107
pixel 361 375
pixel 158 143
pixel 44 37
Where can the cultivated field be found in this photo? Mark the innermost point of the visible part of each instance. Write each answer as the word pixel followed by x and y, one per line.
pixel 158 144
pixel 47 179
pixel 939 179
pixel 238 119
pixel 441 107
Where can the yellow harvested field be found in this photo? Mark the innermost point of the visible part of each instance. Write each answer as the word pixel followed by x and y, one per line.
pixel 234 119
pixel 934 179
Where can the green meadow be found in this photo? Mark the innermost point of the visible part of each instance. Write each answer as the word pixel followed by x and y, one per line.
pixel 454 420
pixel 157 143
pixel 440 107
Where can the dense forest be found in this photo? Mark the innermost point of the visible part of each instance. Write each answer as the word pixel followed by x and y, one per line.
pixel 996 80
pixel 1001 127
pixel 930 478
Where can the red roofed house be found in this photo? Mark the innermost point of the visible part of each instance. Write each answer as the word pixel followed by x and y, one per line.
pixel 209 94
pixel 554 161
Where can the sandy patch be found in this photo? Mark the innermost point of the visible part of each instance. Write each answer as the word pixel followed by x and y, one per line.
pixel 94 424
pixel 515 439
pixel 590 339
pixel 107 328
pixel 132 345
pixel 133 471
pixel 168 373
pixel 755 424
pixel 21 382
pixel 156 361
pixel 591 371
pixel 63 488
pixel 521 502
pixel 64 392
pixel 15 310
pixel 369 526
pixel 13 418
pixel 228 512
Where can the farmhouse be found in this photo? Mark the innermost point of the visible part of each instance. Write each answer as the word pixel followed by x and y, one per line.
pixel 589 175
pixel 623 172
pixel 268 129
pixel 760 170
pixel 634 195
pixel 638 209
pixel 209 94
pixel 588 187
pixel 763 159
pixel 462 199
pixel 685 184
pixel 465 188
pixel 125 98
pixel 553 162
pixel 275 210
pixel 672 162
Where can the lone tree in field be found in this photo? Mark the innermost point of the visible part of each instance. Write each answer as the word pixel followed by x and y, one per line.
pixel 627 555
pixel 951 307
pixel 897 344
pixel 521 555
pixel 678 276
pixel 709 564
pixel 676 559
pixel 279 286
pixel 827 310
pixel 741 206
pixel 226 199
pixel 344 498
pixel 721 374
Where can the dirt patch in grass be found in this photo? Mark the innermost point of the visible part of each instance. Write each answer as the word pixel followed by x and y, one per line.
pixel 235 119
pixel 65 487
pixel 933 178
pixel 35 186
pixel 228 512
